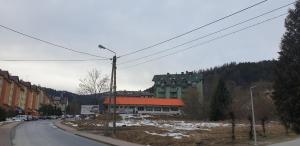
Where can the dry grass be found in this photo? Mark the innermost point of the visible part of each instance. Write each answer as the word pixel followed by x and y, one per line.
pixel 220 136
pixel 216 137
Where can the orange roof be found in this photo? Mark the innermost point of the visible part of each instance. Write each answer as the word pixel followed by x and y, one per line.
pixel 146 101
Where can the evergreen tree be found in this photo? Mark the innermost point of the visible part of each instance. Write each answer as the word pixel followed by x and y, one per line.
pixel 220 102
pixel 287 72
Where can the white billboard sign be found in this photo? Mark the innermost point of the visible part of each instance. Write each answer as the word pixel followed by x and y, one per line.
pixel 89 109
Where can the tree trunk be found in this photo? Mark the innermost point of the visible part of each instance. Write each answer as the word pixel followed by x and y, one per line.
pixel 232 116
pixel 251 128
pixel 263 124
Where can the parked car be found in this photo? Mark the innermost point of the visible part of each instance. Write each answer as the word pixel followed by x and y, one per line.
pixel 20 118
pixel 28 118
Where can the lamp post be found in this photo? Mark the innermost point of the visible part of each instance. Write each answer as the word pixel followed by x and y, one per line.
pixel 253 116
pixel 113 86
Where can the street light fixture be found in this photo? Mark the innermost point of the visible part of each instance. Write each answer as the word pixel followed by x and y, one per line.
pixel 113 86
pixel 253 116
pixel 102 47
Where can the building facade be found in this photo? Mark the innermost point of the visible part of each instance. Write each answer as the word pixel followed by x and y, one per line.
pixel 177 85
pixel 19 96
pixel 16 92
pixel 6 87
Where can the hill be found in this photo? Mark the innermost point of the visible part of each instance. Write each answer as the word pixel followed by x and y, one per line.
pixel 242 75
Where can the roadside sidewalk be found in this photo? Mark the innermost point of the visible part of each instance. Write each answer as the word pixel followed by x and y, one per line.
pixel 99 138
pixel 6 133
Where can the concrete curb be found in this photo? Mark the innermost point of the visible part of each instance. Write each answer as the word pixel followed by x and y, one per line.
pixel 98 138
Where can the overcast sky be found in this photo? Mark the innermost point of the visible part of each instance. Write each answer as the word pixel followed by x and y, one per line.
pixel 125 26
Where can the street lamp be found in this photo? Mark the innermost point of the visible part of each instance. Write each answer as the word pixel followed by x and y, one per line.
pixel 102 47
pixel 253 117
pixel 113 86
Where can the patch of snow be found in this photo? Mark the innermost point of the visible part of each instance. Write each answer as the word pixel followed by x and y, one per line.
pixel 99 125
pixel 175 135
pixel 69 123
pixel 170 125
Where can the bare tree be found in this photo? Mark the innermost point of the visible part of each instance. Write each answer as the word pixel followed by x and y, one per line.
pixel 94 83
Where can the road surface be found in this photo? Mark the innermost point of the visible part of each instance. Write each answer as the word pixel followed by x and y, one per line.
pixel 44 133
pixel 288 143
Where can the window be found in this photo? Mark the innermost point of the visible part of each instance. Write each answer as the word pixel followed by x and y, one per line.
pixel 149 109
pixel 140 108
pixel 174 108
pixel 173 94
pixel 166 109
pixel 157 109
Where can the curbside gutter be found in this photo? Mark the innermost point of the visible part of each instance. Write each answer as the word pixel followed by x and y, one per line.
pixel 98 138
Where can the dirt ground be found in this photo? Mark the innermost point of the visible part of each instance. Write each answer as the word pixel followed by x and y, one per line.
pixel 218 136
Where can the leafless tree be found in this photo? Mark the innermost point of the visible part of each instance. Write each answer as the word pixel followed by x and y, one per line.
pixel 94 83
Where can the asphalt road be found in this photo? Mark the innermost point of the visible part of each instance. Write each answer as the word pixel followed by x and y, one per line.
pixel 44 133
pixel 288 143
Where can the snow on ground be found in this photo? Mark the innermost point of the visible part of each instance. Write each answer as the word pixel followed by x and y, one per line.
pixel 72 124
pixel 174 128
pixel 131 120
pixel 175 135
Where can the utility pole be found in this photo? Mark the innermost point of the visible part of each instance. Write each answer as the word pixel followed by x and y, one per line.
pixel 115 93
pixel 253 116
pixel 113 87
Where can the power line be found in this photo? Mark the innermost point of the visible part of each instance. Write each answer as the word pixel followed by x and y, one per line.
pixel 195 29
pixel 49 43
pixel 49 60
pixel 206 42
pixel 207 35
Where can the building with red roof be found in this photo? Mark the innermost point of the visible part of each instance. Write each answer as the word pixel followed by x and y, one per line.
pixel 145 105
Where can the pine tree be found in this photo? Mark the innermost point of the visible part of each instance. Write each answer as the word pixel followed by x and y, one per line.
pixel 220 102
pixel 287 72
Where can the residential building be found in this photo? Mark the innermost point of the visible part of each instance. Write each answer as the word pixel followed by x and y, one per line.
pixel 177 85
pixel 20 96
pixel 29 98
pixel 126 93
pixel 6 90
pixel 46 98
pixel 16 92
pixel 41 97
pixel 145 105
pixel 23 95
pixel 60 102
pixel 35 100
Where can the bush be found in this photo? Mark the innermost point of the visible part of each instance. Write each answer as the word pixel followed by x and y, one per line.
pixel 2 114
